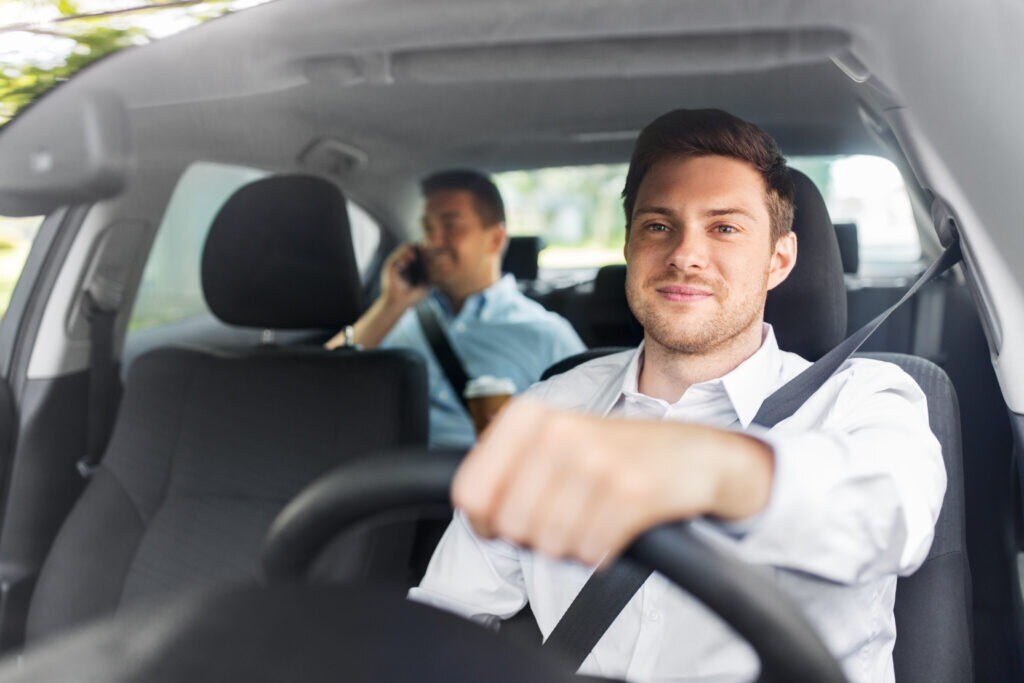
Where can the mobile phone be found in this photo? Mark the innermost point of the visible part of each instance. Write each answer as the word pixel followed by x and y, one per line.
pixel 415 273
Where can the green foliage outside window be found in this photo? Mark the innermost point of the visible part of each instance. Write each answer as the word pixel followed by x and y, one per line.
pixel 80 33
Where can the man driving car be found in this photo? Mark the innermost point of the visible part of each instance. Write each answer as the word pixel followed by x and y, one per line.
pixel 835 502
pixel 490 327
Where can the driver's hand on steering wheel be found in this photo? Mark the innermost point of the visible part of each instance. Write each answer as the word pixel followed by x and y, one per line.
pixel 583 487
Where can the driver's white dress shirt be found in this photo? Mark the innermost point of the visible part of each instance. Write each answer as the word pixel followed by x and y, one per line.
pixel 859 481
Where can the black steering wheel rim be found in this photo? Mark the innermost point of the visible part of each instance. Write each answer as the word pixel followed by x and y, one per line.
pixel 787 645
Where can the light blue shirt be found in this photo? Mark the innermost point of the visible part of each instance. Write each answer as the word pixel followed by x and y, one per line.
pixel 499 332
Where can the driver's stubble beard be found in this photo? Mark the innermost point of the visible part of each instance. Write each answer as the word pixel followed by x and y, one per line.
pixel 713 335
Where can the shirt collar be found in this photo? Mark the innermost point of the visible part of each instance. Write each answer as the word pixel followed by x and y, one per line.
pixel 480 305
pixel 747 385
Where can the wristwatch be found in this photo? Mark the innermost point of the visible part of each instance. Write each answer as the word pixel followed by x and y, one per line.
pixel 350 335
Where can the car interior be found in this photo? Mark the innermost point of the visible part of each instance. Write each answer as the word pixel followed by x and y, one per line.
pixel 215 205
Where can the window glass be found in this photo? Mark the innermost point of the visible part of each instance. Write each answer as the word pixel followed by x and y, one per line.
pixel 578 210
pixel 43 43
pixel 868 191
pixel 365 236
pixel 171 289
pixel 16 235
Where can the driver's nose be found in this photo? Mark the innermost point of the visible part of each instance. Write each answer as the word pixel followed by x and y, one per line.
pixel 690 251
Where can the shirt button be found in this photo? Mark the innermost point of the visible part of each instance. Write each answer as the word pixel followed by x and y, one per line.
pixel 443 395
pixel 460 327
pixel 654 616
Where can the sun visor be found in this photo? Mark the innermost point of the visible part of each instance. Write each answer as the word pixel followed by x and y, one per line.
pixel 621 57
pixel 64 150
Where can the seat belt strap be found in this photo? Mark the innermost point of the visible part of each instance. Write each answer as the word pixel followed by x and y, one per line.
pixel 103 388
pixel 790 396
pixel 443 352
pixel 602 598
pixel 607 592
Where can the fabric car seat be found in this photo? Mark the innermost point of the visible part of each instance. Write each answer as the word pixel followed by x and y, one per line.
pixel 208 446
pixel 934 642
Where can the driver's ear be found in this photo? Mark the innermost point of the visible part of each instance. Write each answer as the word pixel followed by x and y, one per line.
pixel 783 259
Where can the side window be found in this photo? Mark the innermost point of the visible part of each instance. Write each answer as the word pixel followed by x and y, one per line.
pixel 365 236
pixel 171 290
pixel 16 236
pixel 869 192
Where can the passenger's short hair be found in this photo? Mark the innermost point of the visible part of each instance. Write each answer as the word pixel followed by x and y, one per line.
pixel 485 193
pixel 692 133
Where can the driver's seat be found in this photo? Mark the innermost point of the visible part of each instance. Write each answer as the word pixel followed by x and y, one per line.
pixel 808 313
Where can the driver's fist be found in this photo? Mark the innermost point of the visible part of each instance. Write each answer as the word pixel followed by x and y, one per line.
pixel 583 487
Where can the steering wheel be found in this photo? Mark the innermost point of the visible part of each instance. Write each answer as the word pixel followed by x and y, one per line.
pixel 788 647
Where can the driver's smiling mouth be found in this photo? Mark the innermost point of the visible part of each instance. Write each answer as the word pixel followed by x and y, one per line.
pixel 685 293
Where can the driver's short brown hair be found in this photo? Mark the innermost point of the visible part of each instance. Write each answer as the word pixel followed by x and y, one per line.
pixel 713 132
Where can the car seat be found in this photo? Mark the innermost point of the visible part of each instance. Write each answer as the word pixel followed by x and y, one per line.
pixel 208 446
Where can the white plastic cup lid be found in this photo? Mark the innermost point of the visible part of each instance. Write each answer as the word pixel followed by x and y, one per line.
pixel 488 385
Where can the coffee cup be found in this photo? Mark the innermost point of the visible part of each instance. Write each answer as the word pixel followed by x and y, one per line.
pixel 485 396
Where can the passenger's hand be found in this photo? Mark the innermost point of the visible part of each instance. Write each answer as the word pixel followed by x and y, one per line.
pixel 395 290
pixel 583 487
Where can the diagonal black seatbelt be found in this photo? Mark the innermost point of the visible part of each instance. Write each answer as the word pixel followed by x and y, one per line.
pixel 450 364
pixel 607 592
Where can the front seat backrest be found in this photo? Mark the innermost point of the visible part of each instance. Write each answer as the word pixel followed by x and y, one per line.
pixel 934 638
pixel 208 446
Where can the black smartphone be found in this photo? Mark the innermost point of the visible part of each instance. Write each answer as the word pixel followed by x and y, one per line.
pixel 415 273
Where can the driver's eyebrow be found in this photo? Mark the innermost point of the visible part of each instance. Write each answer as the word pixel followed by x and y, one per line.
pixel 661 210
pixel 729 211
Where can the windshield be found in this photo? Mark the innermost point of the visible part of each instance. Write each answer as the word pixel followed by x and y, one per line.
pixel 45 42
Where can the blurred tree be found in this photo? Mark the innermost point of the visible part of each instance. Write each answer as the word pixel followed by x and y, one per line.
pixel 79 39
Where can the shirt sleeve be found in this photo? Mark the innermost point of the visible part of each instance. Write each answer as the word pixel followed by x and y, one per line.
pixel 858 498
pixel 477 578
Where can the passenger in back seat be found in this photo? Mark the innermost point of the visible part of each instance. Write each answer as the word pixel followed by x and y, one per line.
pixel 493 329
pixel 836 501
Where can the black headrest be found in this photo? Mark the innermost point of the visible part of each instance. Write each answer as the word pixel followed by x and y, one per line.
pixel 521 256
pixel 808 310
pixel 610 283
pixel 279 256
pixel 849 246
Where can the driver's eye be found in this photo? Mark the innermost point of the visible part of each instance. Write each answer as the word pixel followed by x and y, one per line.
pixel 657 227
pixel 726 229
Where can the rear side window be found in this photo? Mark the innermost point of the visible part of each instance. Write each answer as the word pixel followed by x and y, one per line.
pixel 869 191
pixel 16 237
pixel 171 290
